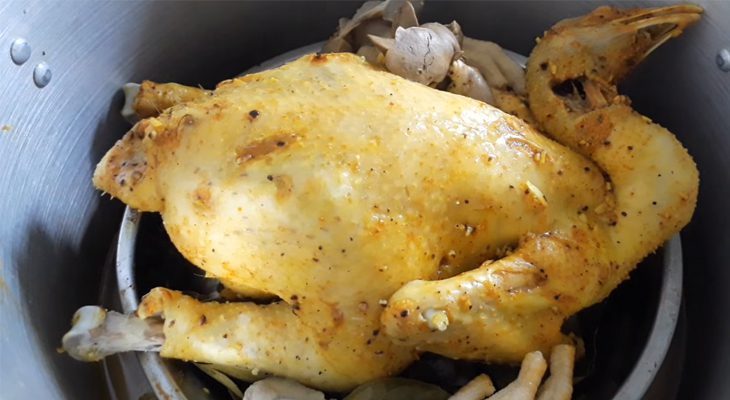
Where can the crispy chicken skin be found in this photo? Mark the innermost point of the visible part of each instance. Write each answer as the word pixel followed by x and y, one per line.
pixel 371 206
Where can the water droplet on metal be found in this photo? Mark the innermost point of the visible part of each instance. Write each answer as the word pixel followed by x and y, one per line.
pixel 723 59
pixel 20 51
pixel 42 74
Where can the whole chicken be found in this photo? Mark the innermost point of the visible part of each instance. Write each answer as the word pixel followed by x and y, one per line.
pixel 384 218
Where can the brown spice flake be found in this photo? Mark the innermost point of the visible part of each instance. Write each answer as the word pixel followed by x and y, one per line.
pixel 264 147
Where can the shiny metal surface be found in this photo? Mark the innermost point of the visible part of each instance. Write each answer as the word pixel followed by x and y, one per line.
pixel 723 59
pixel 665 322
pixel 56 229
pixel 155 369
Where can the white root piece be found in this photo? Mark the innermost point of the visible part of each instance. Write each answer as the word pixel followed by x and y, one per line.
pixel 498 69
pixel 97 333
pixel 467 81
pixel 421 54
pixel 525 386
pixel 280 389
pixel 559 386
pixel 477 389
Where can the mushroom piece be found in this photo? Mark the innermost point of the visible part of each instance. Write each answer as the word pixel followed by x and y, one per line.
pixel 506 78
pixel 337 45
pixel 369 10
pixel 420 54
pixel 387 33
pixel 375 27
pixel 280 389
pixel 455 28
pixel 389 14
pixel 445 33
pixel 382 43
pixel 371 54
pixel 500 71
pixel 405 16
pixel 467 81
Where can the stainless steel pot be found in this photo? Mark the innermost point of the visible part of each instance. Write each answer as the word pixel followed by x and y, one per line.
pixel 56 230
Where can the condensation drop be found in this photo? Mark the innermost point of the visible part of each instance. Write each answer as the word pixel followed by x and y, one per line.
pixel 20 51
pixel 42 74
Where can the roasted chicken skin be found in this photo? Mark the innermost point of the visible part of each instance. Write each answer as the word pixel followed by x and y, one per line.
pixel 389 218
pixel 330 185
